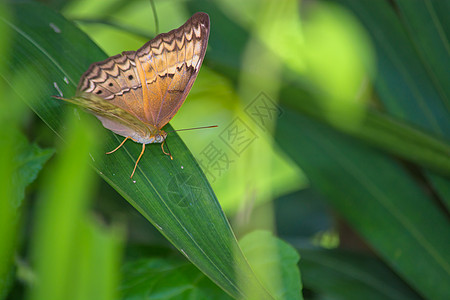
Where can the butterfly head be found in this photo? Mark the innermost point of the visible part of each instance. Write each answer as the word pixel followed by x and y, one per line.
pixel 159 136
pixel 154 136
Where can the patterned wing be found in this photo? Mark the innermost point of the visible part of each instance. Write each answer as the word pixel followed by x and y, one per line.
pixel 168 66
pixel 117 81
pixel 112 117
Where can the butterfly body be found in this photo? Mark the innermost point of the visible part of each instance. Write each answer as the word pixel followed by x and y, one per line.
pixel 156 137
pixel 159 137
pixel 136 93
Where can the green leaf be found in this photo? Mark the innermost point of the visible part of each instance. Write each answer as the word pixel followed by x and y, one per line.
pixel 428 31
pixel 413 61
pixel 50 54
pixel 348 275
pixel 404 84
pixel 384 132
pixel 29 160
pixel 275 262
pixel 377 196
pixel 428 28
pixel 168 278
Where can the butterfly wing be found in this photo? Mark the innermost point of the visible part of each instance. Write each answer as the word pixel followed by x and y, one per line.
pixel 117 81
pixel 112 117
pixel 168 66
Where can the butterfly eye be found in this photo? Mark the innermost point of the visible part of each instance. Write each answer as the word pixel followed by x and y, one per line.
pixel 158 138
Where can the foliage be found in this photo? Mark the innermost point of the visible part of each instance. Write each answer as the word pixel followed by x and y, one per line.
pixel 342 106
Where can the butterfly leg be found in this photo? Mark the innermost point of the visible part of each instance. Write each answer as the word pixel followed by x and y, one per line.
pixel 140 155
pixel 162 147
pixel 121 144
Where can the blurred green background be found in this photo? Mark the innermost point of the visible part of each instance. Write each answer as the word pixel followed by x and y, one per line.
pixel 333 135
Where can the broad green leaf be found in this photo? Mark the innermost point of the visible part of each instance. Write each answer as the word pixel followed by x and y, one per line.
pixel 428 28
pixel 403 82
pixel 174 279
pixel 383 131
pixel 50 54
pixel 377 196
pixel 275 262
pixel 347 276
pixel 411 41
pixel 428 31
pixel 168 278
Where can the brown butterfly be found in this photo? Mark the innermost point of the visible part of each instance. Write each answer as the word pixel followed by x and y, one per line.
pixel 136 93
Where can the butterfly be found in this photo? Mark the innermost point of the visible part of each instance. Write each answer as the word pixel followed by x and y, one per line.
pixel 136 93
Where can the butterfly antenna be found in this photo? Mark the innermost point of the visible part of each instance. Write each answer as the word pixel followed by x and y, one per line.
pixel 140 155
pixel 162 147
pixel 185 129
pixel 117 148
